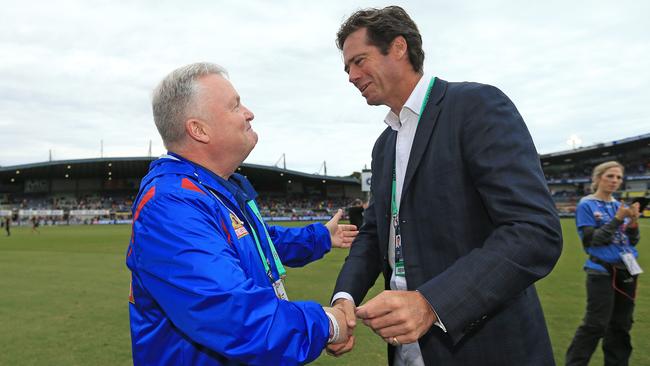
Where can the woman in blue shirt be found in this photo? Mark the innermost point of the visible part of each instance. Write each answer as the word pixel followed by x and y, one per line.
pixel 609 230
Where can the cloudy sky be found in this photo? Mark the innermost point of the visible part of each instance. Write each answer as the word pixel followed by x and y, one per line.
pixel 74 73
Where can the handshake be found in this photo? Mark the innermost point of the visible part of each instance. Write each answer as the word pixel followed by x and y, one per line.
pixel 398 317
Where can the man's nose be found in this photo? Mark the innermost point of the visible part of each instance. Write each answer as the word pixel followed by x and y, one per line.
pixel 353 75
pixel 248 114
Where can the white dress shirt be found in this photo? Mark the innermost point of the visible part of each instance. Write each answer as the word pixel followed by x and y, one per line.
pixel 405 124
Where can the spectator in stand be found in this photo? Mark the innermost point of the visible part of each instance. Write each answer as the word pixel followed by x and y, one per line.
pixel 609 232
pixel 355 212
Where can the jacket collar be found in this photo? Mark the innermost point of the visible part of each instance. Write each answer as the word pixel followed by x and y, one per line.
pixel 172 163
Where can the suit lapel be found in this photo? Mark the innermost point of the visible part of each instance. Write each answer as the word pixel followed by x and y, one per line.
pixel 423 132
pixel 389 165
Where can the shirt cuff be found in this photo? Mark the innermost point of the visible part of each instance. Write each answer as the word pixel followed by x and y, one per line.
pixel 342 295
pixel 438 322
pixel 347 296
pixel 334 329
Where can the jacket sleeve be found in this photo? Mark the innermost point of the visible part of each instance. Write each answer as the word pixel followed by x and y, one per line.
pixel 299 246
pixel 188 266
pixel 364 262
pixel 503 165
pixel 363 265
pixel 602 236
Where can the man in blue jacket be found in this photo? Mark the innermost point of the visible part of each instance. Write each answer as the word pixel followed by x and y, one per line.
pixel 206 271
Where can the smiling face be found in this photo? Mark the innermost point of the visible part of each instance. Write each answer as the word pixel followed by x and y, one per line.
pixel 374 74
pixel 610 181
pixel 227 120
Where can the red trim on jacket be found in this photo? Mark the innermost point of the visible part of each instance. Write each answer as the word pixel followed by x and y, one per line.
pixel 188 184
pixel 225 228
pixel 150 193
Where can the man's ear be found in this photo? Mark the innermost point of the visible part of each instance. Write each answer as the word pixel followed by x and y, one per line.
pixel 197 130
pixel 399 47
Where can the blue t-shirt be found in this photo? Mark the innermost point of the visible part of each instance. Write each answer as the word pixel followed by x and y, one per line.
pixel 594 212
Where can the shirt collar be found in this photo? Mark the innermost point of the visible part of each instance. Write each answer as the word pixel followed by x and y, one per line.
pixel 412 105
pixel 593 197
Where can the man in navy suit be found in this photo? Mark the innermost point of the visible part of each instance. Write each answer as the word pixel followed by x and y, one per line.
pixel 460 223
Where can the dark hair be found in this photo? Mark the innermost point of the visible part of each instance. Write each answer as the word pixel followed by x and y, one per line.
pixel 383 25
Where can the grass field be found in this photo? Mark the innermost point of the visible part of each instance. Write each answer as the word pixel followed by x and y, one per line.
pixel 63 298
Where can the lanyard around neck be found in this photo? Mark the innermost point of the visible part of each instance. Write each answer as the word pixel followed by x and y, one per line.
pixel 276 258
pixel 393 201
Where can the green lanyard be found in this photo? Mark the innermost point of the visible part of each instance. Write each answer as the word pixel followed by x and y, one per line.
pixel 267 269
pixel 278 264
pixel 393 201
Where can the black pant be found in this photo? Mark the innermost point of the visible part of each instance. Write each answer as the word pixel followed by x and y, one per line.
pixel 609 316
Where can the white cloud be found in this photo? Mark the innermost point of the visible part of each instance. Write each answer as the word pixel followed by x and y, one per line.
pixel 74 73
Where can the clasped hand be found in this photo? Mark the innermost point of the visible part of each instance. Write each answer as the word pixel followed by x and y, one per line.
pixel 398 317
pixel 348 321
pixel 631 211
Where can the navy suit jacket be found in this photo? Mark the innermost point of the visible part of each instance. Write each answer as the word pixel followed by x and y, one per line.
pixel 478 229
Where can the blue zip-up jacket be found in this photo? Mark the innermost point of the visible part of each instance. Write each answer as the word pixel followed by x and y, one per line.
pixel 199 292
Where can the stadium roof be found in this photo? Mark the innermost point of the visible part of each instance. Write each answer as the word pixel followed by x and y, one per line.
pixel 606 148
pixel 137 166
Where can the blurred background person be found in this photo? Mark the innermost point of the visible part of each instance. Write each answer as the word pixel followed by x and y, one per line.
pixel 355 212
pixel 609 232
pixel 35 224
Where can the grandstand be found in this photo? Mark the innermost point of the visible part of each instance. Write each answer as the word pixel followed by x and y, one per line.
pixel 102 191
pixel 568 173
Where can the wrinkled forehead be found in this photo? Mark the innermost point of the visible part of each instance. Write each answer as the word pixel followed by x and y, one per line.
pixel 355 40
pixel 355 45
pixel 215 86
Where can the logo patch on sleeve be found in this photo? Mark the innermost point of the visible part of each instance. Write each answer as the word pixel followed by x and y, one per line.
pixel 238 225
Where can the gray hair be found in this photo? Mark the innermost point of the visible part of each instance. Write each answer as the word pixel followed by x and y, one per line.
pixel 174 97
